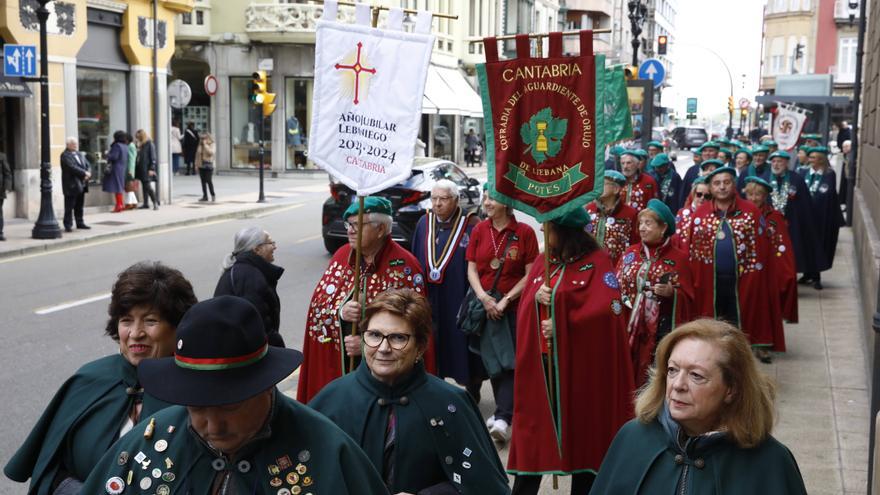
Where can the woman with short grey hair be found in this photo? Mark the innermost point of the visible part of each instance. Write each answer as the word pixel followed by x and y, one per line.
pixel 248 272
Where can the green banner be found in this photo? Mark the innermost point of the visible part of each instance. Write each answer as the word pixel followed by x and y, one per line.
pixel 571 177
pixel 618 120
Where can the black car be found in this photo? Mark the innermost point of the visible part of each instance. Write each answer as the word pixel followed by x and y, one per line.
pixel 689 137
pixel 409 200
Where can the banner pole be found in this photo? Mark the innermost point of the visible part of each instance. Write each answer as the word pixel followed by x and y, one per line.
pixel 357 273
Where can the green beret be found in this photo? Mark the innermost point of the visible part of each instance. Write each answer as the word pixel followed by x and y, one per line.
pixel 642 154
pixel 768 143
pixel 813 137
pixel 700 180
pixel 818 149
pixel 372 204
pixel 616 177
pixel 744 150
pixel 711 161
pixel 723 141
pixel 617 149
pixel 760 149
pixel 761 182
pixel 576 218
pixel 804 148
pixel 709 144
pixel 721 170
pixel 665 214
pixel 660 160
pixel 656 144
pixel 632 153
pixel 780 154
pixel 737 143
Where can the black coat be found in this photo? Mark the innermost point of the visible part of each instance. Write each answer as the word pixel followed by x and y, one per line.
pixel 74 168
pixel 255 279
pixel 190 144
pixel 5 176
pixel 146 161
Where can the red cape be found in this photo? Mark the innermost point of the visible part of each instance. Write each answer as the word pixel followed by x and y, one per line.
pixel 324 356
pixel 594 385
pixel 620 233
pixel 682 224
pixel 782 262
pixel 637 194
pixel 643 334
pixel 758 306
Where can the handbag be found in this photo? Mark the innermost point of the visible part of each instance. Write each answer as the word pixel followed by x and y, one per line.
pixel 132 186
pixel 108 169
pixel 471 314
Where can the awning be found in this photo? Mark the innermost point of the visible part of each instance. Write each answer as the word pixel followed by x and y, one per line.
pixel 14 87
pixel 428 106
pixel 449 92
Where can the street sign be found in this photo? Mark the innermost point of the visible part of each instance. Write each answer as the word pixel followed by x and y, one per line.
pixel 692 105
pixel 744 103
pixel 179 94
pixel 692 116
pixel 19 60
pixel 652 70
pixel 211 85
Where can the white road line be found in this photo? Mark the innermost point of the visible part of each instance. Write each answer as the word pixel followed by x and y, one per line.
pixel 279 210
pixel 71 304
pixel 307 239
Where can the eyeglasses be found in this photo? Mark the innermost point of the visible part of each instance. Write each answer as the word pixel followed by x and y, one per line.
pixel 397 341
pixel 354 226
pixel 268 242
pixel 702 195
pixel 443 199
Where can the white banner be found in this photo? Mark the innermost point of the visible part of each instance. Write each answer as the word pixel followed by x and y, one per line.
pixel 367 103
pixel 787 126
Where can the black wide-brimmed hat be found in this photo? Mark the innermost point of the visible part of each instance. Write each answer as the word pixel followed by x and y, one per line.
pixel 222 357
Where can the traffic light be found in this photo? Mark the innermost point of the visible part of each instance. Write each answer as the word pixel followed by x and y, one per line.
pixel 259 93
pixel 798 51
pixel 730 104
pixel 662 40
pixel 631 72
pixel 745 112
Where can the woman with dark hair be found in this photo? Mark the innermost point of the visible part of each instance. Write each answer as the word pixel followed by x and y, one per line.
pixel 703 423
pixel 571 325
pixel 103 400
pixel 422 434
pixel 145 171
pixel 113 180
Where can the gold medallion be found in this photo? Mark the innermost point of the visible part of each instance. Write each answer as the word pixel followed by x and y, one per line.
pixel 495 263
pixel 720 235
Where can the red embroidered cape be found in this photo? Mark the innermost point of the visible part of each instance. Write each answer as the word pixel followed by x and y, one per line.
pixel 672 311
pixel 324 356
pixel 782 262
pixel 637 194
pixel 758 309
pixel 594 384
pixel 683 220
pixel 621 228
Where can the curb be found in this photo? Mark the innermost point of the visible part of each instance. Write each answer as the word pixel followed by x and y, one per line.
pixel 54 245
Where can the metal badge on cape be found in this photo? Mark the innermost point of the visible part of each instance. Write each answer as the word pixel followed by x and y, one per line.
pixel 544 122
pixel 367 103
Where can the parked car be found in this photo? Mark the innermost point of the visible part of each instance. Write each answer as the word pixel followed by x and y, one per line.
pixel 410 200
pixel 689 137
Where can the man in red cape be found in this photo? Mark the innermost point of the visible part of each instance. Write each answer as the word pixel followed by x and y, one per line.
pixel 728 253
pixel 332 311
pixel 612 222
pixel 640 187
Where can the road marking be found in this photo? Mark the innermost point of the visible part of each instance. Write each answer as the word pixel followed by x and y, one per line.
pixel 279 210
pixel 71 304
pixel 307 239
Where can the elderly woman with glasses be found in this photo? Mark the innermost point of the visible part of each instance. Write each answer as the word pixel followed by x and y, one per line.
pixel 248 272
pixel 702 423
pixel 422 434
pixel 330 345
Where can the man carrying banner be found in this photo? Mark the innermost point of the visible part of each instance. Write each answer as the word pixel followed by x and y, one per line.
pixel 328 342
pixel 439 244
pixel 612 222
pixel 640 187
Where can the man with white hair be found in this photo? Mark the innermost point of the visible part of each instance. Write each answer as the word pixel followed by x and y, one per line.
pixel 75 175
pixel 328 345
pixel 440 243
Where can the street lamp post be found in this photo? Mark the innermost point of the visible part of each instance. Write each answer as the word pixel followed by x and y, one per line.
pixel 637 14
pixel 47 225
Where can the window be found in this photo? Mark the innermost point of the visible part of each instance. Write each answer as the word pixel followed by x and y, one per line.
pixel 186 18
pixel 806 4
pixel 795 5
pixel 200 17
pixel 297 113
pixel 779 5
pixel 777 56
pixel 101 104
pixel 246 125
pixel 846 60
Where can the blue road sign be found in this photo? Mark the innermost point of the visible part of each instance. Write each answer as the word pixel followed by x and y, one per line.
pixel 20 60
pixel 652 70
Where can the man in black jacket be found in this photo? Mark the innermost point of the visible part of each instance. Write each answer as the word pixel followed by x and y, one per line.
pixel 5 183
pixel 190 145
pixel 75 175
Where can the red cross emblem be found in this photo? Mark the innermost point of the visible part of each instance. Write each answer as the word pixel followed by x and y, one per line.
pixel 357 68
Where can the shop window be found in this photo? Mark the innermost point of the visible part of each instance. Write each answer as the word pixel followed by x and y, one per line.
pixel 246 126
pixel 297 118
pixel 102 109
pixel 444 138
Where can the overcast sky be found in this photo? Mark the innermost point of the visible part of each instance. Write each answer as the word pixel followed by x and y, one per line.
pixel 732 29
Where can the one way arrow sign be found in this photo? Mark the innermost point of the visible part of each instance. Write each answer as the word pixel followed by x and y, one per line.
pixel 652 70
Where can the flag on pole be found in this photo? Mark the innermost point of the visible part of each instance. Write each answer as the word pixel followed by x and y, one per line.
pixel 367 103
pixel 787 126
pixel 618 118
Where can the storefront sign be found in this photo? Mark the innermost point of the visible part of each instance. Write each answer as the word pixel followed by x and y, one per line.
pixel 543 118
pixel 367 104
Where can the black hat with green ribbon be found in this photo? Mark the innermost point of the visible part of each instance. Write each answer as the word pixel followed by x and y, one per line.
pixel 222 357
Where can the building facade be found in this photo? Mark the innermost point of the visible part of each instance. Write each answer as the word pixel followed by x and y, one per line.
pixel 100 81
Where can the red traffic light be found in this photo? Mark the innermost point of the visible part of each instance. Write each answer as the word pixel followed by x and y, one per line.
pixel 662 41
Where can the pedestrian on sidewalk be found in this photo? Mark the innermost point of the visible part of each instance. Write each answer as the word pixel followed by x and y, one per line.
pixel 248 272
pixel 113 180
pixel 176 147
pixel 190 145
pixel 205 165
pixel 576 318
pixel 131 184
pixel 75 175
pixel 5 183
pixel 703 423
pixel 145 170
pixel 826 216
pixel 499 257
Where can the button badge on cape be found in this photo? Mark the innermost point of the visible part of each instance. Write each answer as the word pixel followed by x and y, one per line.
pixel 114 486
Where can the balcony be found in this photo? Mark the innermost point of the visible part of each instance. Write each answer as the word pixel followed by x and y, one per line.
pixel 289 22
pixel 843 15
pixel 599 6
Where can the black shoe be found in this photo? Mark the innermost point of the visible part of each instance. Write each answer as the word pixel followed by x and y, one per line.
pixel 155 206
pixel 145 207
pixel 213 198
pixel 818 285
pixel 805 279
pixel 203 198
pixel 68 229
pixel 764 356
pixel 2 237
pixel 83 226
